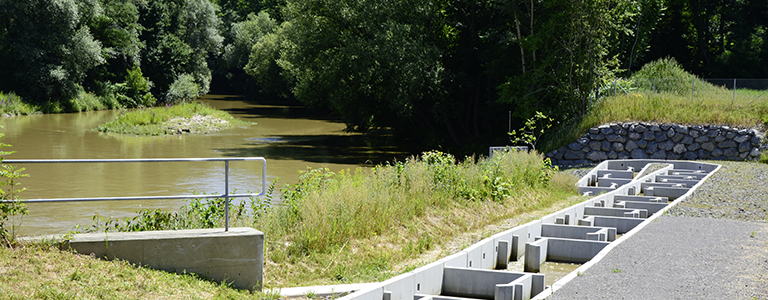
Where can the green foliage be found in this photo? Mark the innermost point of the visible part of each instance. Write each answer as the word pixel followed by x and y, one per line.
pixel 372 73
pixel 764 157
pixel 86 102
pixel 183 89
pixel 12 205
pixel 46 48
pixel 172 119
pixel 711 105
pixel 534 128
pixel 12 104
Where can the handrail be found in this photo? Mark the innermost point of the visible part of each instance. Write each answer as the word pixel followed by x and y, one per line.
pixel 226 194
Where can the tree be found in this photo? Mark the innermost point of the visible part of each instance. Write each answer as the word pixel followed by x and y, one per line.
pixel 47 48
pixel 180 35
pixel 374 63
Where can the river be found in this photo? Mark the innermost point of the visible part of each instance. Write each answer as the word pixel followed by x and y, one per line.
pixel 289 137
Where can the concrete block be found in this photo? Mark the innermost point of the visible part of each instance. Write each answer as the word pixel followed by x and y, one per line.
pixel 505 292
pixel 503 253
pixel 641 199
pixel 573 251
pixel 694 166
pixel 235 256
pixel 669 192
pixel 518 289
pixel 646 185
pixel 685 177
pixel 615 174
pixel 607 182
pixel 429 279
pixel 475 283
pixel 650 207
pixel 612 212
pixel 586 221
pixel 622 225
pixel 686 183
pixel 570 232
pixel 595 190
pixel 400 287
pixel 535 255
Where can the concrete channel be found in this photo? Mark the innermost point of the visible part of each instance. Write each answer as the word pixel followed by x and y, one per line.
pixel 626 195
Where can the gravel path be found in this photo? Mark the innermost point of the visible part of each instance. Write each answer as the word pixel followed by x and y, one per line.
pixel 712 246
pixel 738 191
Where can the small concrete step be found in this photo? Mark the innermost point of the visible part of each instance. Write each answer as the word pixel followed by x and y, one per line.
pixel 615 174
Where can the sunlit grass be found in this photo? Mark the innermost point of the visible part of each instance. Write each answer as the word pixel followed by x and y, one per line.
pixel 39 271
pixel 661 93
pixel 368 225
pixel 155 121
pixel 12 104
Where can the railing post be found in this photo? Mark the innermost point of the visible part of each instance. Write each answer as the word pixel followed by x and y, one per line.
pixel 226 195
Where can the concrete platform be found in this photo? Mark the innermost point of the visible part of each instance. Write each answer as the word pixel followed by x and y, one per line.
pixel 236 256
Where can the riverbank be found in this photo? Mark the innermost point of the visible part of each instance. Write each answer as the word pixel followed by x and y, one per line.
pixel 192 118
pixel 368 225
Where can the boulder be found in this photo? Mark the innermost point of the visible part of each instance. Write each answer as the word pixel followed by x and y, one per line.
pixel 638 154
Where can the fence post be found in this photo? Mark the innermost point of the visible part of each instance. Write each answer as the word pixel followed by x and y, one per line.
pixel 734 92
pixel 693 87
pixel 654 85
pixel 226 195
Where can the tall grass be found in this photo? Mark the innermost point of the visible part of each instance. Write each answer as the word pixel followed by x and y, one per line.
pixel 12 104
pixel 154 121
pixel 369 224
pixel 661 93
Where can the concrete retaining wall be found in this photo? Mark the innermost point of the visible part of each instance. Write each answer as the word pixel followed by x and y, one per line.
pixel 661 141
pixel 236 256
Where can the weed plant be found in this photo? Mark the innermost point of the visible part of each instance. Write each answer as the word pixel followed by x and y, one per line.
pixel 661 93
pixel 11 104
pixel 12 207
pixel 370 224
pixel 154 121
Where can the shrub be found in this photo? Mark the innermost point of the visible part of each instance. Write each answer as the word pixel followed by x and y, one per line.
pixel 183 89
pixel 12 104
pixel 15 207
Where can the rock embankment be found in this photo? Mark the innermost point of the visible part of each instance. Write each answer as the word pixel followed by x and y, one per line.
pixel 661 141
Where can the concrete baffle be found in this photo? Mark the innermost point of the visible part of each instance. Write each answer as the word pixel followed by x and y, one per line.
pixel 235 256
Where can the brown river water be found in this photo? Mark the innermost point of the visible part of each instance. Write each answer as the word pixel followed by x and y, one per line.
pixel 290 138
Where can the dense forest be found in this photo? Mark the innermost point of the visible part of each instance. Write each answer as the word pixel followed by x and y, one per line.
pixel 443 72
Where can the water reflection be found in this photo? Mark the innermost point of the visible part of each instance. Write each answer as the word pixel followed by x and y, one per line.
pixel 289 137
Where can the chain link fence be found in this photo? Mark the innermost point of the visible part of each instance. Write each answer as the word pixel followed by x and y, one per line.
pixel 738 91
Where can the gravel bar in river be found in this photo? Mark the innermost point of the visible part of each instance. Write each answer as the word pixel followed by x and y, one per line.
pixel 711 246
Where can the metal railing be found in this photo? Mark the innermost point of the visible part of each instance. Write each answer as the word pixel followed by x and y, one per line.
pixel 226 194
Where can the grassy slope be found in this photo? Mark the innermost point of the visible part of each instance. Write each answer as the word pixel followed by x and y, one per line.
pixel 645 99
pixel 347 227
pixel 44 272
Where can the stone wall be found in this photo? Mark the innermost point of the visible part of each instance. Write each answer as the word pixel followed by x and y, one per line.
pixel 661 141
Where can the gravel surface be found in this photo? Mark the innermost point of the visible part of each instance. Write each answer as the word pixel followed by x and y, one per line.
pixel 681 258
pixel 738 191
pixel 713 245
